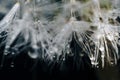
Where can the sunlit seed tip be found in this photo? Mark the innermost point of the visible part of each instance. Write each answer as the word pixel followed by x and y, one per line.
pixel 101 49
pixel 102 56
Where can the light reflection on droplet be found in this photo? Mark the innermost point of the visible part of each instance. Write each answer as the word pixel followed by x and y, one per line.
pixel 33 55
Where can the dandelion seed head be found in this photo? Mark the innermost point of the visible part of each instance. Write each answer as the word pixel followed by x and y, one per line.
pixel 49 27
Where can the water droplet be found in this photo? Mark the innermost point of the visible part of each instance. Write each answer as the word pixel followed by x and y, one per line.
pixel 68 51
pixel 12 64
pixel 13 53
pixel 35 47
pixel 33 55
pixel 97 66
pixel 55 49
pixel 80 39
pixel 81 55
pixel 7 47
pixel 53 56
pixel 68 46
pixel 102 56
pixel 51 51
pixel 92 58
pixel 111 62
pixel 94 63
pixel 63 59
pixel 43 45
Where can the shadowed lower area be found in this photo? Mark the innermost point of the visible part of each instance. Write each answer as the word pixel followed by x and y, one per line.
pixel 72 68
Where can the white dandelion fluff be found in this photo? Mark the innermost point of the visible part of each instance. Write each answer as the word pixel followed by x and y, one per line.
pixel 47 27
